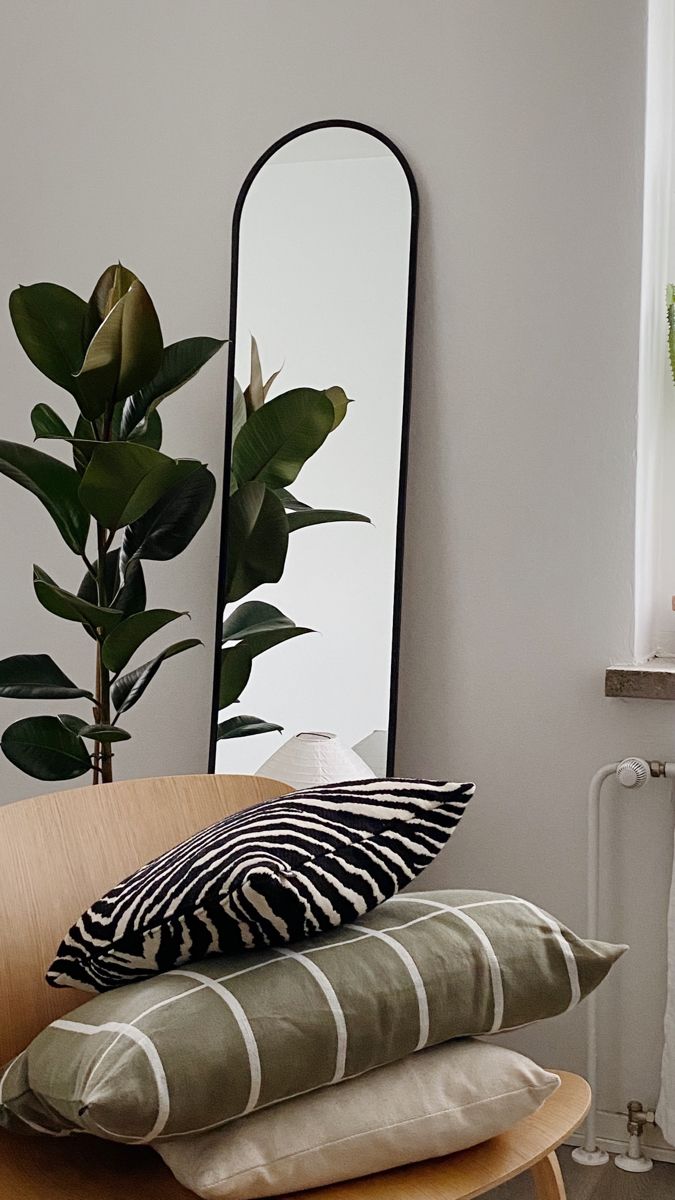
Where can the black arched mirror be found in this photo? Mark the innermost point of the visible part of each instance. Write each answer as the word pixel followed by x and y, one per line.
pixel 309 604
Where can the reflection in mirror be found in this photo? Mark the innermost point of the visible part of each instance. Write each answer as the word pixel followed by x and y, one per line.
pixel 312 536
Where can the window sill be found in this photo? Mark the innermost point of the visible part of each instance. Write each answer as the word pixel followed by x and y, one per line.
pixel 653 680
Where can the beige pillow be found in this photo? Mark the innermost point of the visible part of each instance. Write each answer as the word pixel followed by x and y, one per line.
pixel 431 1103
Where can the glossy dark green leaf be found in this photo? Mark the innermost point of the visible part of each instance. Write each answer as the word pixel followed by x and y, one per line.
pixel 170 525
pixel 49 323
pixel 261 626
pixel 257 539
pixel 37 677
pixel 245 726
pixel 278 438
pixel 94 733
pixel 43 748
pixel 113 283
pixel 46 422
pixel 55 485
pixel 149 433
pixel 180 362
pixel 321 516
pixel 291 503
pixel 70 606
pixel 124 480
pixel 235 669
pixel 124 354
pixel 128 689
pixel 125 639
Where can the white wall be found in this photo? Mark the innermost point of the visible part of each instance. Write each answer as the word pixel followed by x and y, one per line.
pixel 128 130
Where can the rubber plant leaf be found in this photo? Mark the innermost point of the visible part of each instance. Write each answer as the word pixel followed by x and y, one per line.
pixel 124 480
pixel 47 423
pixel 71 607
pixel 261 626
pixel 245 726
pixel 44 748
pixel 235 669
pixel 49 323
pixel 278 438
pixel 113 283
pixel 128 689
pixel 37 677
pixel 180 362
pixel 128 594
pixel 123 355
pixel 321 516
pixel 170 525
pixel 94 733
pixel 125 639
pixel 55 485
pixel 257 540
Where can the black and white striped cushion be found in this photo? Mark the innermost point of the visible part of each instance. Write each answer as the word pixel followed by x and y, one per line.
pixel 278 872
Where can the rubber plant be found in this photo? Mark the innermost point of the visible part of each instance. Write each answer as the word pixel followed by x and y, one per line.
pixel 272 439
pixel 122 502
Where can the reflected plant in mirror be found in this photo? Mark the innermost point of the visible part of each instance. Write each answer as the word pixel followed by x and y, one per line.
pixel 122 502
pixel 323 270
pixel 272 441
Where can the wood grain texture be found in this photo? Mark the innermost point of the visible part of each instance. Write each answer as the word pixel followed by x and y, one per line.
pixel 60 852
pixel 548 1180
pixel 83 1168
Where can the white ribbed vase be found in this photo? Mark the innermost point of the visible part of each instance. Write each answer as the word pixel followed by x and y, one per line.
pixel 310 759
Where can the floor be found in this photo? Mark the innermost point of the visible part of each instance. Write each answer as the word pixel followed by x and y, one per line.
pixel 599 1183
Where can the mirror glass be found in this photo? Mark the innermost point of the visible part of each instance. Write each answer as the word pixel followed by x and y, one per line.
pixel 323 244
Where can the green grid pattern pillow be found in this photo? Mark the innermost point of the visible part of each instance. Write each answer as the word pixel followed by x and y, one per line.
pixel 188 1050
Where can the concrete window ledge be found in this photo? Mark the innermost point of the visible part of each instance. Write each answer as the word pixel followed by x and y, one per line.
pixel 653 680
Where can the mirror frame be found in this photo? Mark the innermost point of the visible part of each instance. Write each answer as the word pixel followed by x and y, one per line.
pixel 405 425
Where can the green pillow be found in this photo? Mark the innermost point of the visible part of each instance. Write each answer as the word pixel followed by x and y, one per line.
pixel 190 1049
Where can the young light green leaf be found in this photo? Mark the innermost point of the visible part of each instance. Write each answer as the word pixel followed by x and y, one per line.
pixel 48 320
pixel 113 283
pixel 340 401
pixel 291 503
pixel 37 677
pixel 71 607
pixel 170 525
pixel 278 438
pixel 124 354
pixel 125 639
pixel 257 540
pixel 43 748
pixel 235 669
pixel 55 485
pixel 245 726
pixel 128 689
pixel 239 414
pixel 180 362
pixel 321 516
pixel 46 422
pixel 254 394
pixel 261 626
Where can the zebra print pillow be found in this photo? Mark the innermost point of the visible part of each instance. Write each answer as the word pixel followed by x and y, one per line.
pixel 278 872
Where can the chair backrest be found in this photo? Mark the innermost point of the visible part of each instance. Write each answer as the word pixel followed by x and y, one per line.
pixel 59 853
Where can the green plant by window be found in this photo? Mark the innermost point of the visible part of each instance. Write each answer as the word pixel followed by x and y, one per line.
pixel 121 503
pixel 272 439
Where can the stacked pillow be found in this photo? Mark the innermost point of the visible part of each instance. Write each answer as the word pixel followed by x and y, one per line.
pixel 269 957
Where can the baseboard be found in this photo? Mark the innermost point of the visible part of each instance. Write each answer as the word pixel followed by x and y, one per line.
pixel 612 1136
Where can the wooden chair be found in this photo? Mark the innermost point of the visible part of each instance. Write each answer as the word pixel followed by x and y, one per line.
pixel 57 854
